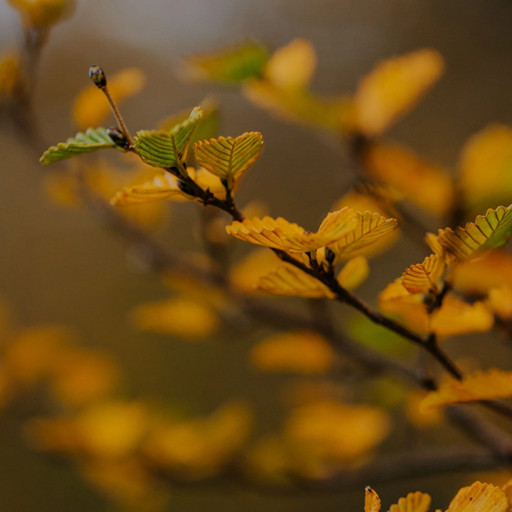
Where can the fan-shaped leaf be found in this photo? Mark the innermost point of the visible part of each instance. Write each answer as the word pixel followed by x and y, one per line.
pixel 489 231
pixel 423 277
pixel 369 228
pixel 167 149
pixel 233 64
pixel 229 158
pixel 479 498
pixel 371 501
pixel 93 139
pixel 491 385
pixel 289 280
pixel 393 88
pixel 414 502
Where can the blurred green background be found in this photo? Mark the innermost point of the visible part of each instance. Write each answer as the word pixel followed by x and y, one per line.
pixel 59 266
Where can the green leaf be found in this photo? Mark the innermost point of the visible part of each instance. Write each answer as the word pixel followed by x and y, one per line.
pixel 489 231
pixel 229 158
pixel 164 148
pixel 234 64
pixel 93 139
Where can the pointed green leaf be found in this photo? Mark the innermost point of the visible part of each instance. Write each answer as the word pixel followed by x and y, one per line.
pixel 93 139
pixel 489 231
pixel 164 148
pixel 233 64
pixel 229 158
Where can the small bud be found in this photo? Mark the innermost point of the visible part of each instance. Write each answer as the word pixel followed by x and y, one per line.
pixel 97 75
pixel 329 256
pixel 185 188
pixel 118 137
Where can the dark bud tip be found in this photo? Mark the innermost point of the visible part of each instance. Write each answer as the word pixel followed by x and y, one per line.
pixel 97 75
pixel 118 137
pixel 185 188
pixel 329 255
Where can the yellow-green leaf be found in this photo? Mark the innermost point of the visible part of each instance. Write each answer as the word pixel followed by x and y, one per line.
pixel 93 139
pixel 290 280
pixel 233 64
pixel 229 158
pixel 370 227
pixel 489 231
pixel 167 148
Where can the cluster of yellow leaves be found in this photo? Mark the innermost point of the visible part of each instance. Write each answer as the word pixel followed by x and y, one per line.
pixel 491 385
pixel 478 497
pixel 40 14
pixel 318 439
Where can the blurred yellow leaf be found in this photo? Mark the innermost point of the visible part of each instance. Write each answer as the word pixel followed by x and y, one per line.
pixel 417 416
pixel 354 273
pixel 489 231
pixel 414 502
pixel 292 66
pixel 43 13
pixel 299 105
pixel 479 275
pixel 499 301
pixel 9 74
pixel 281 234
pixel 229 158
pixel 184 318
pixel 424 277
pixel 91 106
pixel 198 448
pixel 479 497
pixel 290 280
pixel 392 89
pixel 485 166
pixel 490 385
pixel 369 228
pixel 333 433
pixel 300 351
pixel 420 182
pixel 268 459
pixel 246 274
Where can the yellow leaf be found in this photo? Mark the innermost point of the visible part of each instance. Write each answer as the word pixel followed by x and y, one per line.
pixel 392 89
pixel 417 416
pixel 424 277
pixel 91 106
pixel 369 228
pixel 489 231
pixel 456 317
pixel 289 280
pixel 246 274
pixel 43 13
pixel 499 301
pixel 409 308
pixel 281 234
pixel 485 166
pixel 200 447
pixel 301 352
pixel 421 182
pixel 354 273
pixel 336 432
pixel 183 318
pixel 229 158
pixel 414 502
pixel 299 105
pixel 292 66
pixel 371 500
pixel 479 275
pixel 9 74
pixel 478 498
pixel 490 385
